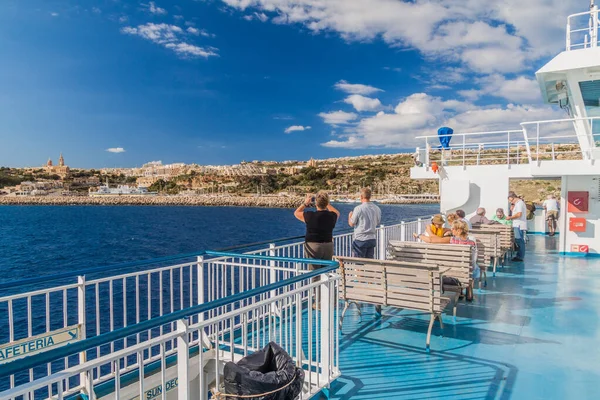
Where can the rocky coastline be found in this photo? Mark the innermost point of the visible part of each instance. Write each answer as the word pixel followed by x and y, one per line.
pixel 210 201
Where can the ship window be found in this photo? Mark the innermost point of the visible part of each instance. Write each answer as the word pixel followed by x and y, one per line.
pixel 590 90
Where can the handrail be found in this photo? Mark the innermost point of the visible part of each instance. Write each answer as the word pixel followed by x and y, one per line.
pixel 550 121
pixel 470 134
pixel 22 364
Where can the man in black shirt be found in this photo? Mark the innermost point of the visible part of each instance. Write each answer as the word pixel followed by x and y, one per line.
pixel 318 242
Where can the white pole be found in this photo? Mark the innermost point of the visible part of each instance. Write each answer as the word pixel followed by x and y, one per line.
pixel 382 242
pixel 82 324
pixel 183 378
pixel 326 311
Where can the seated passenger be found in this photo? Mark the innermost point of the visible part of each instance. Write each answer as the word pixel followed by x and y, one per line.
pixel 479 218
pixel 500 217
pixel 460 235
pixel 435 232
pixel 462 215
pixel 450 218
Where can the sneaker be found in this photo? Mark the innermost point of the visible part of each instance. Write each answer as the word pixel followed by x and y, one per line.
pixel 517 259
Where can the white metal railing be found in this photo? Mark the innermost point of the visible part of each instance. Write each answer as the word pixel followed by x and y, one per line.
pixel 582 29
pixel 561 138
pixel 104 304
pixel 573 138
pixel 199 349
pixel 119 301
pixel 476 148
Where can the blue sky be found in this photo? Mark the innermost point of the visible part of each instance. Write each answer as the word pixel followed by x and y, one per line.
pixel 220 81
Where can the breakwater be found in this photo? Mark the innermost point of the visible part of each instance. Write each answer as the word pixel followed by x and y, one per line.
pixel 214 201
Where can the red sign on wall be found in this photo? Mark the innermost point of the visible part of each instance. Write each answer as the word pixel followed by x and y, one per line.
pixel 580 248
pixel 578 202
pixel 577 224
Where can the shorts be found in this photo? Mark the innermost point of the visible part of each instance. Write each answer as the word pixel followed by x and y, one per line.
pixel 364 248
pixel 318 251
pixel 552 214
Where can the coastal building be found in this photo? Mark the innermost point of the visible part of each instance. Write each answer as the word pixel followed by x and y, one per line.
pixel 61 169
pixel 87 180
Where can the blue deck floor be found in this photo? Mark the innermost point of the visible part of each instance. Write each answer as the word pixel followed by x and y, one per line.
pixel 532 334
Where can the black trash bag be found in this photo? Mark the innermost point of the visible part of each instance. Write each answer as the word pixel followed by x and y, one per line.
pixel 264 371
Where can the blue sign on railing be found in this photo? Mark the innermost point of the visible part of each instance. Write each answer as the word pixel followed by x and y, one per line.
pixel 37 344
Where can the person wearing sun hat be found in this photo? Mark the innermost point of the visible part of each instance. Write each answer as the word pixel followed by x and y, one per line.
pixel 435 232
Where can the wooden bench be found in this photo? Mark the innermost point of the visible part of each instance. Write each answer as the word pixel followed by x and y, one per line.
pixel 411 286
pixel 488 251
pixel 506 237
pixel 458 258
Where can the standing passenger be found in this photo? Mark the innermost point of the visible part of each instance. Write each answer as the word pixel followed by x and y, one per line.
pixel 519 220
pixel 365 219
pixel 318 243
pixel 551 206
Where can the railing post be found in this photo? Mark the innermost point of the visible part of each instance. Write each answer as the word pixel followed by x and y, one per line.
pixel 272 271
pixel 325 319
pixel 537 144
pixel 553 156
pixel 526 139
pixel 81 321
pixel 200 281
pixel 382 242
pixel 272 278
pixel 568 34
pixel 299 320
pixel 463 149
pixel 419 225
pixel 183 352
pixel 508 148
pixel 402 231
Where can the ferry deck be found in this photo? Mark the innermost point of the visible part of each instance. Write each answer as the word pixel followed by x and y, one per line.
pixel 165 328
pixel 531 335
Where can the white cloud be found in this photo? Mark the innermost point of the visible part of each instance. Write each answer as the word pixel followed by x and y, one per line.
pixel 193 31
pixel 362 103
pixel 518 90
pixel 262 17
pixel 198 32
pixel 178 17
pixel 54 14
pixel 487 37
pixel 338 117
pixel 296 128
pixel 123 19
pixel 421 114
pixel 116 150
pixel 169 37
pixel 471 94
pixel 356 88
pixel 154 9
pixel 186 49
pixel 438 86
pixel 96 10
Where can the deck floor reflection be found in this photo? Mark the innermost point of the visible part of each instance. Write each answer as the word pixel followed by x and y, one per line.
pixel 531 334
